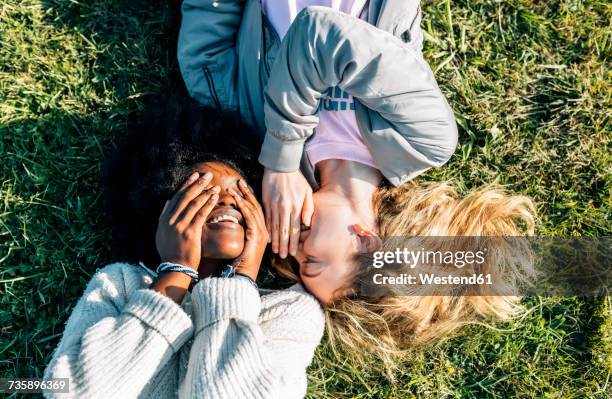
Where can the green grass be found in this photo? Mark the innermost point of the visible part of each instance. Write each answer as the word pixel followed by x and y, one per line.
pixel 529 81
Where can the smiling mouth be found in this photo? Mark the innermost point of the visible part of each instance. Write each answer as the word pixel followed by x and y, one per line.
pixel 225 217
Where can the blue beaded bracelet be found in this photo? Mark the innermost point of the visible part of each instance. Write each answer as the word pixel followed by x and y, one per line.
pixel 175 267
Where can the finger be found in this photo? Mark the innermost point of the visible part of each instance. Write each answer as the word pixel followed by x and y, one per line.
pixel 196 204
pixel 259 214
pixel 255 227
pixel 307 209
pixel 275 229
pixel 187 195
pixel 285 225
pixel 294 234
pixel 252 199
pixel 268 218
pixel 201 214
pixel 248 193
pixel 245 208
pixel 253 217
pixel 162 214
pixel 194 176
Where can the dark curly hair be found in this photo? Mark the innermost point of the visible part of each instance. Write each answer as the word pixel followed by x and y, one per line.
pixel 157 156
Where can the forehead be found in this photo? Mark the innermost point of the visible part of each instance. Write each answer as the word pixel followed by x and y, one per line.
pixel 216 168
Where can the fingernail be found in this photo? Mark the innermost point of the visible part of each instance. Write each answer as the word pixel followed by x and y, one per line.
pixel 242 183
pixel 193 177
pixel 214 197
pixel 215 189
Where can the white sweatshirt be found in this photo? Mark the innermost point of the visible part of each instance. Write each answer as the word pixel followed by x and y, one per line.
pixel 124 340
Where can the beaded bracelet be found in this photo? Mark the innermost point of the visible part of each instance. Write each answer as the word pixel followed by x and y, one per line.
pixel 175 267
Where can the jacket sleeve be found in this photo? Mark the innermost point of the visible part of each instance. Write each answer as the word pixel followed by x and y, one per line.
pixel 233 357
pixel 115 340
pixel 325 48
pixel 207 50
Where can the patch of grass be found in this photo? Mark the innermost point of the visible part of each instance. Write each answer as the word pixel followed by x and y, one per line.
pixel 529 82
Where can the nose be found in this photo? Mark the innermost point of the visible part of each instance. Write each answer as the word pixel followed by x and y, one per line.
pixel 226 199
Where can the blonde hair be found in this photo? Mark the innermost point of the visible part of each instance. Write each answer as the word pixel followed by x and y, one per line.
pixel 388 326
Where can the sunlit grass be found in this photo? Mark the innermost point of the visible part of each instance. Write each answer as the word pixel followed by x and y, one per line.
pixel 530 84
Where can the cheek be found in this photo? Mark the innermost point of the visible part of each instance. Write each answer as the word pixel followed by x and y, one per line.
pixel 222 244
pixel 330 285
pixel 320 288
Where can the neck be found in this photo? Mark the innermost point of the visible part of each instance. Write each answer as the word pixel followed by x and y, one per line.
pixel 352 180
pixel 212 267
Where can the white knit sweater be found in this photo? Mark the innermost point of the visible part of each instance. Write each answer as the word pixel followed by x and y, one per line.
pixel 124 340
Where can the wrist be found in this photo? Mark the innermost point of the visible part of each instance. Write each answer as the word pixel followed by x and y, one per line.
pixel 181 262
pixel 233 270
pixel 173 285
pixel 247 267
pixel 179 278
pixel 248 272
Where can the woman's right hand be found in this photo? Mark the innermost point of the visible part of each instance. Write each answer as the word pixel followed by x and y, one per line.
pixel 179 231
pixel 287 198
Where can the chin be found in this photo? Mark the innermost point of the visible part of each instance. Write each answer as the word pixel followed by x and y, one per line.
pixel 223 246
pixel 231 251
pixel 227 256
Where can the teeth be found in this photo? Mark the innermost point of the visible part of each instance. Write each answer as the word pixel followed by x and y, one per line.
pixel 223 218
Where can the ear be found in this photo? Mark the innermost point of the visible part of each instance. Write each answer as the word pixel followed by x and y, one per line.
pixel 369 241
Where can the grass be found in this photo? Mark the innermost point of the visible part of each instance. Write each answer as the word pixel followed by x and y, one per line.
pixel 529 81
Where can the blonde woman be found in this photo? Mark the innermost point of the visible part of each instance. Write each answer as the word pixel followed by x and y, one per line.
pixel 384 327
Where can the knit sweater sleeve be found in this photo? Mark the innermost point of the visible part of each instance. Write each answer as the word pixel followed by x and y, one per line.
pixel 233 357
pixel 118 336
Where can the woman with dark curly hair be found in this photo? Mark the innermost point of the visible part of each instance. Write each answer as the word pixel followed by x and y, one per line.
pixel 198 326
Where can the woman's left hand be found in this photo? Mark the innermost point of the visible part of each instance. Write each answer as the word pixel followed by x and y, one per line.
pixel 256 234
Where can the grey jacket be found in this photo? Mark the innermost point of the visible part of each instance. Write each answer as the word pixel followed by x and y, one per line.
pixel 228 51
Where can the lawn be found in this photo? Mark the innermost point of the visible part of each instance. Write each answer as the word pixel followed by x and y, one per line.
pixel 530 84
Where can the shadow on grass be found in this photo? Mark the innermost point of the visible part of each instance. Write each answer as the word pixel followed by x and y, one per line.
pixel 80 72
pixel 136 39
